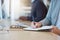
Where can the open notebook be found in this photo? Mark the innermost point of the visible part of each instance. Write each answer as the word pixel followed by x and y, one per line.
pixel 23 25
pixel 20 24
pixel 41 28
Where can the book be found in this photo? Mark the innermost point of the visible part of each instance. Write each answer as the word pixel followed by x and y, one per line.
pixel 41 28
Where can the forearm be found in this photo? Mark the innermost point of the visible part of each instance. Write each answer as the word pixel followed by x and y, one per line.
pixel 45 22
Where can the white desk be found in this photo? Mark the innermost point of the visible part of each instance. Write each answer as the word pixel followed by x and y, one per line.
pixel 17 34
pixel 27 35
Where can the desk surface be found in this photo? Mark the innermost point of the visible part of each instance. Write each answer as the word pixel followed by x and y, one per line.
pixel 25 35
pixel 17 34
pixel 29 35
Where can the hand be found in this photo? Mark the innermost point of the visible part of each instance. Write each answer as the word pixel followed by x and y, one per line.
pixel 55 30
pixel 36 24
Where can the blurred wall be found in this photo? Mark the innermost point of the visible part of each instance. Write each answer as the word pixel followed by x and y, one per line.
pixel 5 8
pixel 0 10
pixel 17 8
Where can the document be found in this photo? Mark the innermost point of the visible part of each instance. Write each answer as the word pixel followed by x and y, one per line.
pixel 41 28
pixel 23 25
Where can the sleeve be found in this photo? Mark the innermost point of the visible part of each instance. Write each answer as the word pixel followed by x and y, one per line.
pixel 47 20
pixel 58 21
pixel 41 11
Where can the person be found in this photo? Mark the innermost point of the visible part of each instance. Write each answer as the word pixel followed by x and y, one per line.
pixel 52 18
pixel 38 11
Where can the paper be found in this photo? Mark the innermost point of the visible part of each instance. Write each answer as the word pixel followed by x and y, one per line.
pixel 1 27
pixel 23 25
pixel 41 28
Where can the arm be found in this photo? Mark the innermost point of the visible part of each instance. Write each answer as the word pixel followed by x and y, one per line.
pixel 41 11
pixel 47 20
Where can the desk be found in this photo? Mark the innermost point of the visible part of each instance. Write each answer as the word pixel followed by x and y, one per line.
pixel 27 35
pixel 17 34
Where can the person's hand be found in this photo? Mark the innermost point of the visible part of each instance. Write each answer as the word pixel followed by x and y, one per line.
pixel 36 24
pixel 55 30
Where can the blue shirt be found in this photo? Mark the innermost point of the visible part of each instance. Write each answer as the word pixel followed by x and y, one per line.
pixel 58 21
pixel 53 14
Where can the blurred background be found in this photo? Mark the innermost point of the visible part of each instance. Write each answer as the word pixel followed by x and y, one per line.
pixel 14 9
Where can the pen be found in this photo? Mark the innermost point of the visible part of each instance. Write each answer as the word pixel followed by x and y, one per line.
pixel 33 20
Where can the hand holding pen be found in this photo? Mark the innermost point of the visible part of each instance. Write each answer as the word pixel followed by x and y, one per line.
pixel 35 24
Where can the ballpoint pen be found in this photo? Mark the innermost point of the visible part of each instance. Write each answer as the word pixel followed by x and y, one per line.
pixel 33 20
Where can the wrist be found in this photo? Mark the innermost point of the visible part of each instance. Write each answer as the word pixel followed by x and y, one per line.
pixel 40 24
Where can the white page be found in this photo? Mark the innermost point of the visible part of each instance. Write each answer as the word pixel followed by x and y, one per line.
pixel 22 25
pixel 41 28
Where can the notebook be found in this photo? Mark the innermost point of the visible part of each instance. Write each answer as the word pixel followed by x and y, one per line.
pixel 23 25
pixel 20 24
pixel 41 28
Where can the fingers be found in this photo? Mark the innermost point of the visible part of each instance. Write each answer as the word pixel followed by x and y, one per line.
pixel 36 24
pixel 55 30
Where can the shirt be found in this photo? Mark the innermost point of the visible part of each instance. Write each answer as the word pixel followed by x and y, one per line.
pixel 53 13
pixel 58 21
